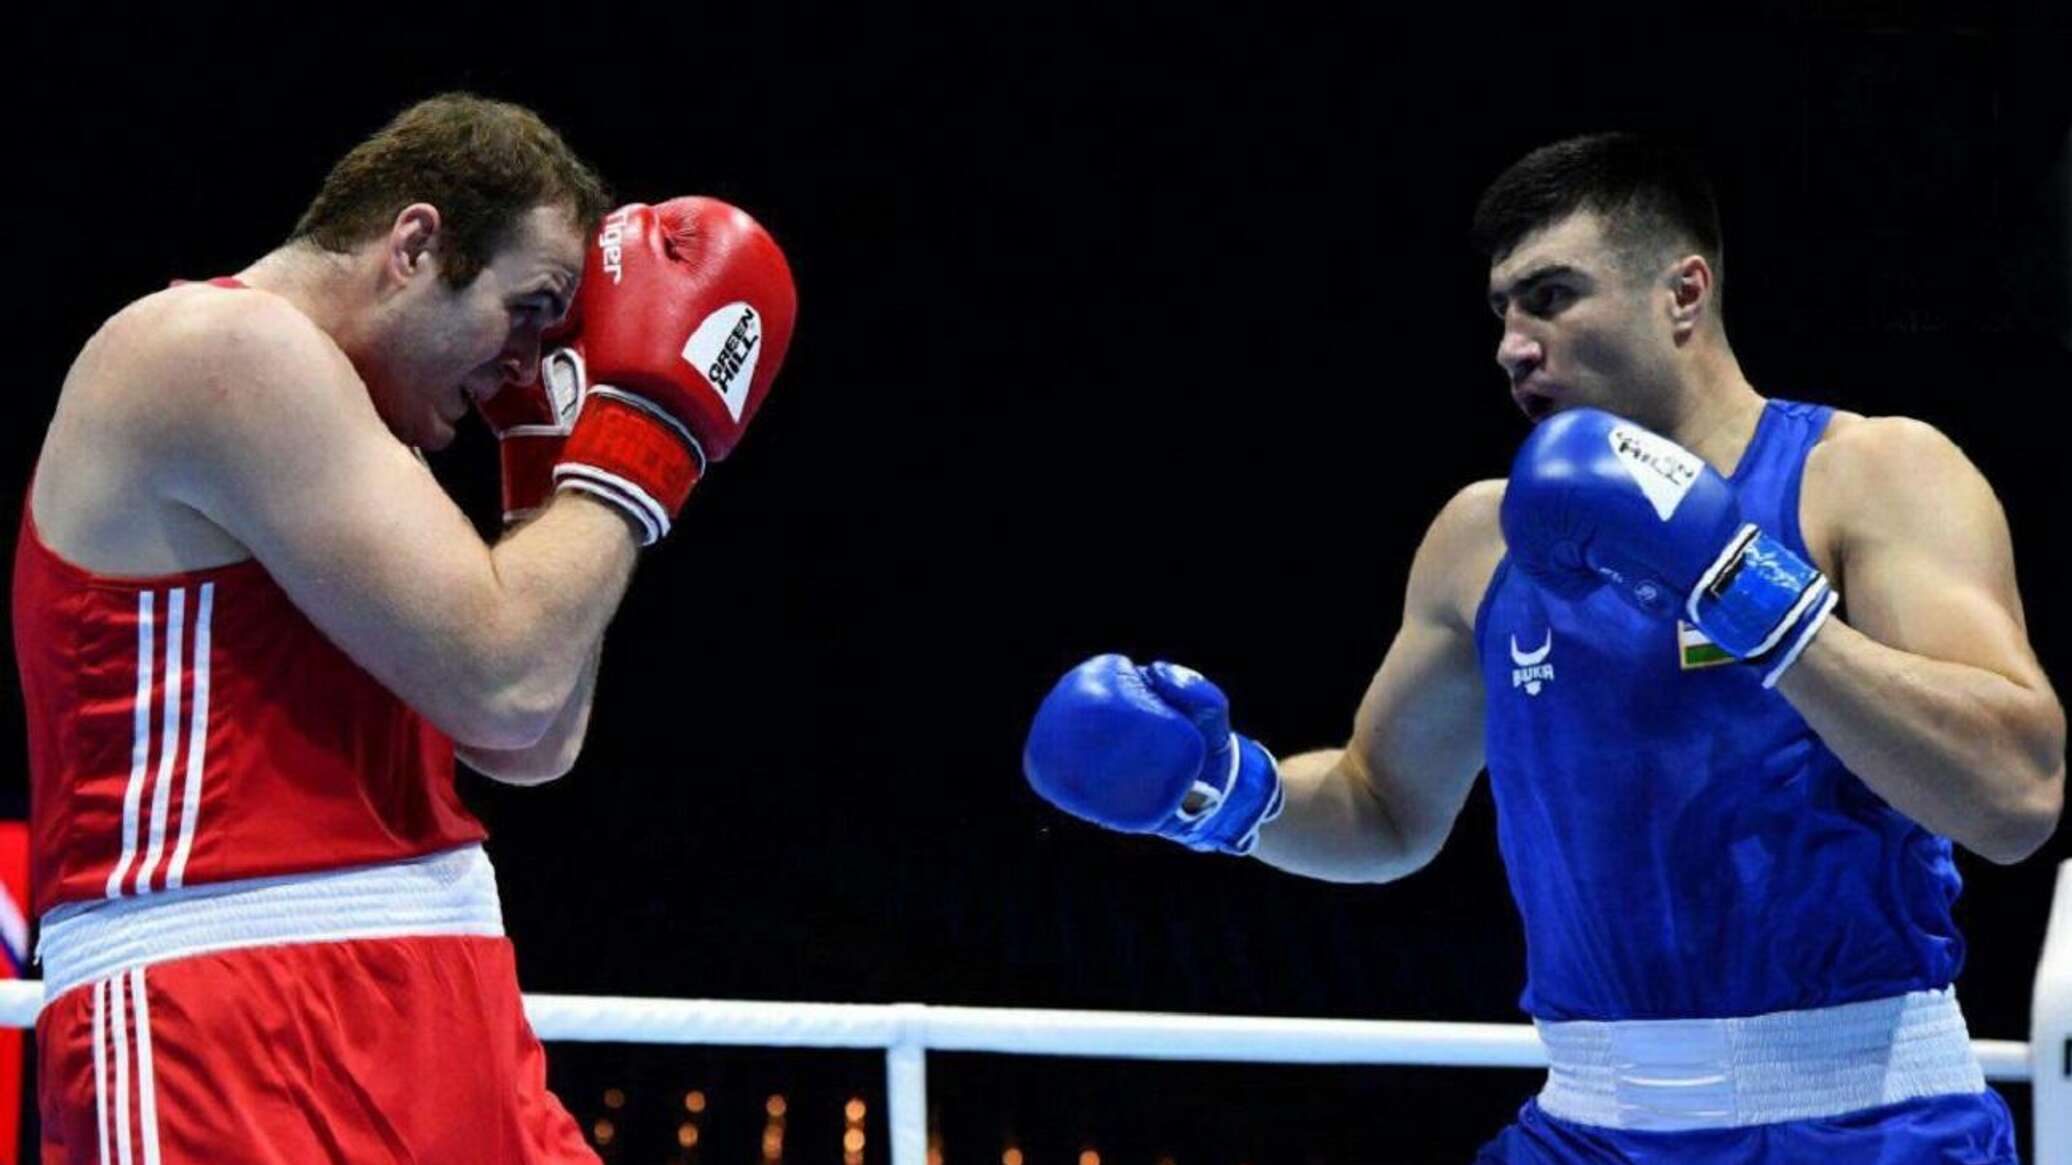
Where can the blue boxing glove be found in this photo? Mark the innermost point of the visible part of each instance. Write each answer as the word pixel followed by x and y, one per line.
pixel 1150 750
pixel 1595 500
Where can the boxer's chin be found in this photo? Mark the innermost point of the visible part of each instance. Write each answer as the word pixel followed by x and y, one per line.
pixel 437 435
pixel 1537 406
pixel 482 384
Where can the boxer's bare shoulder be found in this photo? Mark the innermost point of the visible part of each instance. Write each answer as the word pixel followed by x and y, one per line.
pixel 1855 444
pixel 1861 468
pixel 153 400
pixel 1459 554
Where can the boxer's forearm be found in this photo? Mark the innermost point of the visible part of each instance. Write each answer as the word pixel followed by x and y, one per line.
pixel 555 753
pixel 559 579
pixel 1964 751
pixel 1334 827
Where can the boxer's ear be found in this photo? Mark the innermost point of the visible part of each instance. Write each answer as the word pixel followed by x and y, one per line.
pixel 1690 294
pixel 411 240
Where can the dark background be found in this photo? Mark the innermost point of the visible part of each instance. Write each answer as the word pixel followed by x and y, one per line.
pixel 1118 331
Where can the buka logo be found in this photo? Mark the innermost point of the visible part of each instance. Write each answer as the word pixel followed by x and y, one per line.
pixel 1530 668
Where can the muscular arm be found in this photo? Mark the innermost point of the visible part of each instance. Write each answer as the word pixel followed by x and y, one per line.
pixel 1930 693
pixel 554 754
pixel 1380 807
pixel 268 433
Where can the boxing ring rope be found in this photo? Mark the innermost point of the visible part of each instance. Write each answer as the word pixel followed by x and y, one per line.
pixel 908 1031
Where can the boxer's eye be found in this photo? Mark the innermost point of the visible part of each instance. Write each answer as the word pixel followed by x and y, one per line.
pixel 1548 299
pixel 533 310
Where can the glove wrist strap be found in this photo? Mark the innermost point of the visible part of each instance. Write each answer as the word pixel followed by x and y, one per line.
pixel 528 470
pixel 1252 796
pixel 628 452
pixel 1755 594
pixel 1807 627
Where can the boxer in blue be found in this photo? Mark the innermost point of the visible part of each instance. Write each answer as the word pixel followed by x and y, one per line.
pixel 1741 672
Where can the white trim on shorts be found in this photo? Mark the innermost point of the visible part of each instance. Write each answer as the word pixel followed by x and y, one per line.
pixel 448 893
pixel 118 1026
pixel 1683 1074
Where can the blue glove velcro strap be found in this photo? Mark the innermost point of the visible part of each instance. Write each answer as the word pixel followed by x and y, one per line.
pixel 1779 661
pixel 1226 818
pixel 1754 593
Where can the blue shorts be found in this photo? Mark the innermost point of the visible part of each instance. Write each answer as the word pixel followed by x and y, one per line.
pixel 1937 1130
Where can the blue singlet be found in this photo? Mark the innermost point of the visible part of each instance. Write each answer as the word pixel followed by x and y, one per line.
pixel 1681 844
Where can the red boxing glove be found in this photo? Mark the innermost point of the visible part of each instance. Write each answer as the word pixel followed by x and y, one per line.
pixel 532 423
pixel 686 312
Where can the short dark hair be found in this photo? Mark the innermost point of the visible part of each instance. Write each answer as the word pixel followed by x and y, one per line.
pixel 483 163
pixel 1650 193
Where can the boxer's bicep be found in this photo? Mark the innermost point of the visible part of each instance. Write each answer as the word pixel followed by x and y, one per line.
pixel 1417 737
pixel 1937 699
pixel 1927 563
pixel 279 446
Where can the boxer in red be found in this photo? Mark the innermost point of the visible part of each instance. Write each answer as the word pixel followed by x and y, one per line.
pixel 254 634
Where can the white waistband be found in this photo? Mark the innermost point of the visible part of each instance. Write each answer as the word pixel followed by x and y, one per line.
pixel 1670 1074
pixel 450 893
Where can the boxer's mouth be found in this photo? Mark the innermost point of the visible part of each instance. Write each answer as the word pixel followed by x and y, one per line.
pixel 1533 403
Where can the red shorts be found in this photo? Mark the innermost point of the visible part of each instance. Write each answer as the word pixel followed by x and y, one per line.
pixel 366 1050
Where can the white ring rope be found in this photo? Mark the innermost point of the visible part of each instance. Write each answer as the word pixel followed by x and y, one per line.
pixel 1140 1035
pixel 908 1031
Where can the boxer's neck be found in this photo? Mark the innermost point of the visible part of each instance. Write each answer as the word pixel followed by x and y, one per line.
pixel 1714 409
pixel 328 288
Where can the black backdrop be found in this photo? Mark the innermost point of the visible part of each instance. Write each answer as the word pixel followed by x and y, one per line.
pixel 1118 331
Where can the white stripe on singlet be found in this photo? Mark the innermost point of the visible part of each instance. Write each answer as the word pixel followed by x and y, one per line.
pixel 168 736
pixel 197 739
pixel 140 745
